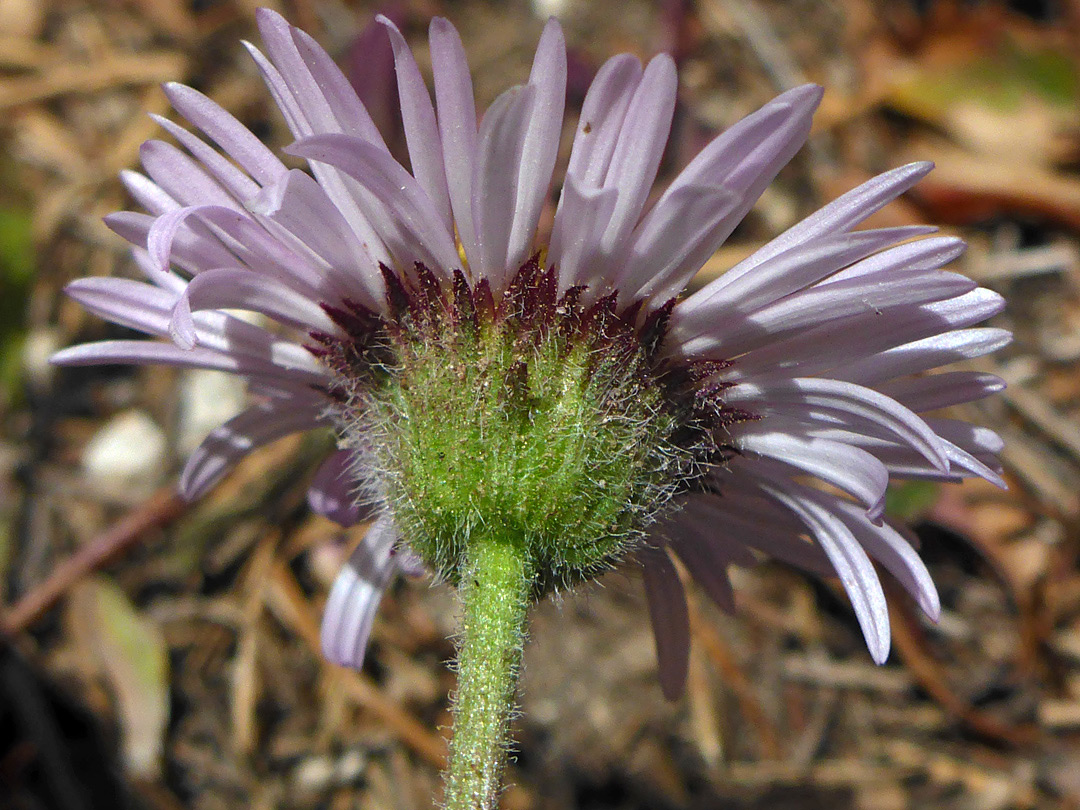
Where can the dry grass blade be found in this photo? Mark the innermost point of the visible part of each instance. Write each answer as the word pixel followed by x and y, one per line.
pixel 287 601
pixel 117 70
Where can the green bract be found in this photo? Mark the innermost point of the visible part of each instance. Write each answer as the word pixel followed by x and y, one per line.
pixel 537 422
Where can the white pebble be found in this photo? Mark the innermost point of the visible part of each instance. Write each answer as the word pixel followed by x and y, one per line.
pixel 207 400
pixel 129 450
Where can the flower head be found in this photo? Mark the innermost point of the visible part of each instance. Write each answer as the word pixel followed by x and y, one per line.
pixel 563 392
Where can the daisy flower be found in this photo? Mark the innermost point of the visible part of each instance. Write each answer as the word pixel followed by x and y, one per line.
pixel 563 402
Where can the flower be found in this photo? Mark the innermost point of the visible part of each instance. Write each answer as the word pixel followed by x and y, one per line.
pixel 763 414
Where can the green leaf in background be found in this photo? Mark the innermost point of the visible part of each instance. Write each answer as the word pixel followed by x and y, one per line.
pixel 1002 81
pixel 1008 99
pixel 129 650
pixel 16 275
pixel 909 501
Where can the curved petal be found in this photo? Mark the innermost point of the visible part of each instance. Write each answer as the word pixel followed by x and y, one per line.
pixel 355 596
pixel 854 568
pixel 226 445
pixel 888 547
pixel 190 249
pixel 243 289
pixel 334 490
pixel 852 469
pixel 845 400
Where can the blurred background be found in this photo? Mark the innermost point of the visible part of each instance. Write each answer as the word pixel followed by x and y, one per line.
pixel 184 671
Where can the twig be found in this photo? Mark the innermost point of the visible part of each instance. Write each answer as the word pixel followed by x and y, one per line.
pixel 126 69
pixel 162 508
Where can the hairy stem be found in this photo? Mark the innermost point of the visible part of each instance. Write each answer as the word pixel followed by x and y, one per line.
pixel 494 591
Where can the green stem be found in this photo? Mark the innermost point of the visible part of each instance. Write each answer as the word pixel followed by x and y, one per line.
pixel 494 592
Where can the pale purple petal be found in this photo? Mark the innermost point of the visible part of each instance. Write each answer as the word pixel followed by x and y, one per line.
pixel 706 548
pixel 851 469
pixel 242 289
pixel 667 235
pixel 228 133
pixel 842 400
pixel 420 234
pixel 981 442
pixel 355 205
pixel 902 462
pixel 925 255
pixel 253 428
pixel 854 568
pixel 826 346
pixel 420 125
pixel 639 149
pixel 583 215
pixel 246 237
pixel 238 184
pixel 457 128
pixel 934 391
pixel 670 619
pixel 147 193
pixel 299 205
pixel 150 309
pixel 541 141
pixel 923 355
pixel 745 159
pixel 164 279
pixel 355 596
pixel 181 177
pixel 746 516
pixel 191 249
pixel 795 270
pixel 149 352
pixel 334 492
pixel 888 547
pixel 818 305
pixel 841 214
pixel 495 179
pixel 601 120
pixel 319 89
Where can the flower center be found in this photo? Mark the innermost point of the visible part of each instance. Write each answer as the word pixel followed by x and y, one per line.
pixel 535 418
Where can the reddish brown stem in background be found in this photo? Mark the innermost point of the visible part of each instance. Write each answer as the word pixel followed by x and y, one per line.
pixel 160 509
pixel 914 649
